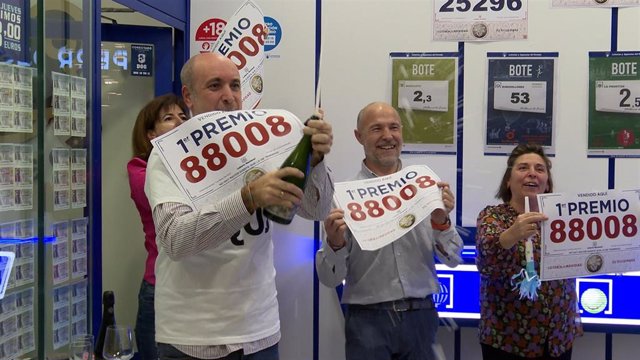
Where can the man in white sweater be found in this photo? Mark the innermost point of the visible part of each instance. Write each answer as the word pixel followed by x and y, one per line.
pixel 215 278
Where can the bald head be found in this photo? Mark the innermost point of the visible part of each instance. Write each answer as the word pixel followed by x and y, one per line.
pixel 196 61
pixel 379 130
pixel 372 109
pixel 211 82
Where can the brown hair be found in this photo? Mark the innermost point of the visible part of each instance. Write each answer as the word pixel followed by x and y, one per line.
pixel 504 192
pixel 146 121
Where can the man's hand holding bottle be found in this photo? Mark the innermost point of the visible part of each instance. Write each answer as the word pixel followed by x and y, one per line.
pixel 321 136
pixel 281 191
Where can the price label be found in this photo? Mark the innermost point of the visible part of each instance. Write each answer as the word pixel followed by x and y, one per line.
pixel 525 96
pixel 374 209
pixel 11 28
pixel 216 153
pixel 597 216
pixel 432 95
pixel 618 96
pixel 214 156
pixel 380 210
pixel 593 228
pixel 588 233
pixel 472 9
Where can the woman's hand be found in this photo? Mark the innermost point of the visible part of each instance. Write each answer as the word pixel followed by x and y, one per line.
pixel 525 225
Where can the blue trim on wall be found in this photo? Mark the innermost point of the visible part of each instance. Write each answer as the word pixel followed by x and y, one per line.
pixel 182 49
pixel 316 295
pixel 611 182
pixel 177 20
pixel 316 226
pixel 614 29
pixel 180 54
pixel 172 7
pixel 41 121
pixel 459 127
pixel 608 349
pixel 95 159
pixel 614 47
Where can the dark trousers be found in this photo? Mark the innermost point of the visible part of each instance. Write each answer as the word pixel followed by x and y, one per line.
pixel 377 334
pixel 146 323
pixel 168 352
pixel 491 353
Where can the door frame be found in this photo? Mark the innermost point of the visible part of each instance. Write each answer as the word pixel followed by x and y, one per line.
pixel 174 14
pixel 159 37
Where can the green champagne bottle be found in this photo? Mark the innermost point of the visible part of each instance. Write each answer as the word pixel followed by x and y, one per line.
pixel 300 158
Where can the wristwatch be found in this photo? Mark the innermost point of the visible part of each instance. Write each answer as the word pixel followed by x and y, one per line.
pixel 441 227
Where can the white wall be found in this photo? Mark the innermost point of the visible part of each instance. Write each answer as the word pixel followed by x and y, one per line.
pixel 358 36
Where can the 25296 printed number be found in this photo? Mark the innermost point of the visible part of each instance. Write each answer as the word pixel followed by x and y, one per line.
pixel 481 6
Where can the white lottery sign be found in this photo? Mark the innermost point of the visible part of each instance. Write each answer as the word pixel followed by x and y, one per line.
pixel 593 3
pixel 589 233
pixel 526 96
pixel 242 41
pixel 480 19
pixel 213 154
pixel 380 210
pixel 473 9
pixel 430 95
pixel 620 96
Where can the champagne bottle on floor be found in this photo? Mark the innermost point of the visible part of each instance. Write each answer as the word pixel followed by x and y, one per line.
pixel 300 158
pixel 108 319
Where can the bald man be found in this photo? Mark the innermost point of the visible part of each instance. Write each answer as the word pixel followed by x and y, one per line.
pixel 215 279
pixel 388 292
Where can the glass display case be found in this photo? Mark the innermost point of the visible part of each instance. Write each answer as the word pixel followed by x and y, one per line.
pixel 46 72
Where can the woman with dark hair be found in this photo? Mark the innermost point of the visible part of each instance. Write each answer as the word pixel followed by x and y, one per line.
pixel 513 326
pixel 157 117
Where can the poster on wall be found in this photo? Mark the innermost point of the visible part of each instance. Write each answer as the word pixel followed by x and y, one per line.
pixel 520 101
pixel 614 104
pixel 274 36
pixel 594 3
pixel 141 60
pixel 240 38
pixel 13 16
pixel 424 91
pixel 591 233
pixel 480 20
